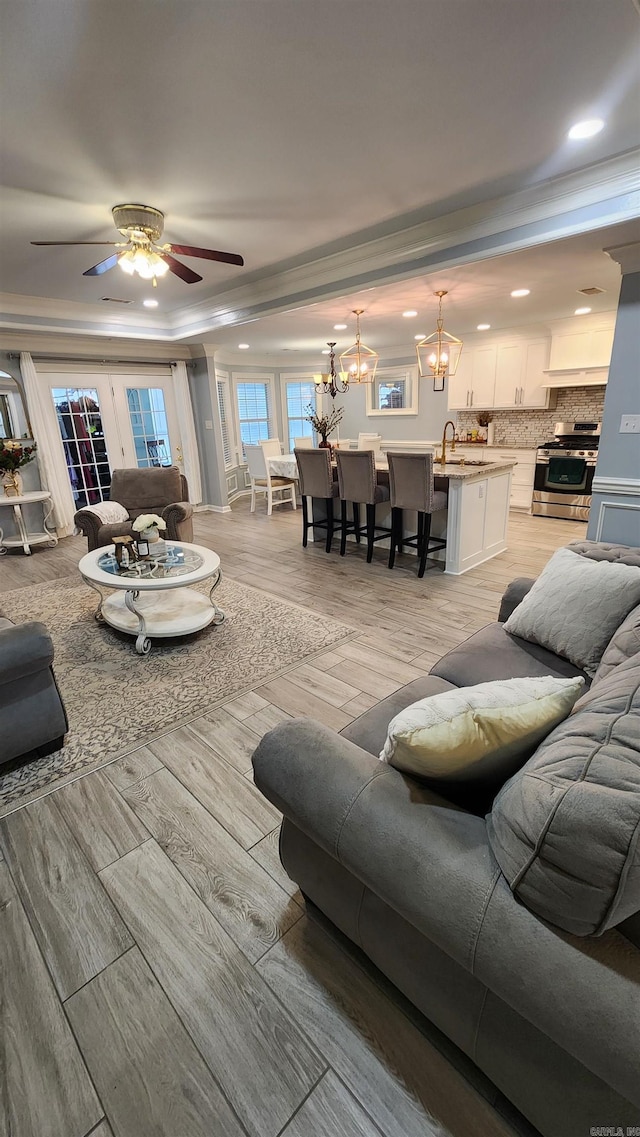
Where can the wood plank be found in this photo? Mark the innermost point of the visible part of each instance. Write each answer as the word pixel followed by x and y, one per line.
pixel 329 659
pixel 103 1130
pixel 301 704
pixel 75 924
pixel 101 822
pixel 324 685
pixel 396 1074
pixel 266 720
pixel 267 854
pixel 360 704
pixel 232 740
pixel 241 894
pixel 47 1091
pixel 372 682
pixel 230 798
pixel 260 1058
pixel 379 661
pixel 331 1110
pixel 150 1077
pixel 132 768
pixel 245 705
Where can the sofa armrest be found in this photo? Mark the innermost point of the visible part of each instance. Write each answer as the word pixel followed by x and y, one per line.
pixel 513 595
pixel 426 858
pixel 88 523
pixel 24 649
pixel 178 517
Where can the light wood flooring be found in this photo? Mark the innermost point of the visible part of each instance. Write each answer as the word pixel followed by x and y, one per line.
pixel 160 975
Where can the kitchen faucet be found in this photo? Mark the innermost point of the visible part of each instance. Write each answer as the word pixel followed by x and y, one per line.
pixel 443 456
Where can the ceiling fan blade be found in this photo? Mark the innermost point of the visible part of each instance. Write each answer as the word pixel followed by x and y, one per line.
pixel 183 271
pixel 103 266
pixel 208 254
pixel 74 242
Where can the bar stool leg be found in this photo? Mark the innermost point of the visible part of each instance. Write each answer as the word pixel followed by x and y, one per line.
pixel 329 505
pixel 305 521
pixel 426 533
pixel 356 520
pixel 343 534
pixel 371 528
pixel 396 534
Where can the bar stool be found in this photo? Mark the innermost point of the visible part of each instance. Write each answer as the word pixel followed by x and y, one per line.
pixel 411 485
pixel 357 483
pixel 315 477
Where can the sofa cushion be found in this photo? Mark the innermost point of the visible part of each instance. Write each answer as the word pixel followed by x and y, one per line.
pixel 575 606
pixel 494 654
pixel 369 731
pixel 480 733
pixel 565 830
pixel 624 643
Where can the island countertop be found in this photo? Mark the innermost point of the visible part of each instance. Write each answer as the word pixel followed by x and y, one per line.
pixel 463 471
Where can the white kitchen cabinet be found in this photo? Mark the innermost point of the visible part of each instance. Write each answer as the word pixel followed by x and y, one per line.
pixel 483 378
pixel 574 350
pixel 459 385
pixel 522 474
pixel 534 394
pixel 510 368
pixel 501 376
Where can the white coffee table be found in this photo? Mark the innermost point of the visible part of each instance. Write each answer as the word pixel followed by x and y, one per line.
pixel 152 599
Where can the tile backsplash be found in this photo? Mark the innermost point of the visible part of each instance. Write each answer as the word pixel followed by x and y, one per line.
pixel 531 428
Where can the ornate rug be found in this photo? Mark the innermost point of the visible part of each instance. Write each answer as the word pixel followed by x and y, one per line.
pixel 117 700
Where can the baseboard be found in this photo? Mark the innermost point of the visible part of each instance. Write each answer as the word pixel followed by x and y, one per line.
pixel 218 508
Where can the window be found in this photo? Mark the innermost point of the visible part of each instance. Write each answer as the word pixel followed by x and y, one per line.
pixel 227 449
pixel 297 396
pixel 254 411
pixel 393 392
pixel 149 426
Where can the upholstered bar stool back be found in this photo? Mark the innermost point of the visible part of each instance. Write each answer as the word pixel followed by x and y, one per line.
pixel 411 487
pixel 357 483
pixel 315 479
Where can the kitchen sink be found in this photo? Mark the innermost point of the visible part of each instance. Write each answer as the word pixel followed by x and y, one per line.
pixel 462 462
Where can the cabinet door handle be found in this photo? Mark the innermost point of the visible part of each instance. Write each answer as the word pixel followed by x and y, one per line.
pixel 521 396
pixel 515 397
pixel 471 403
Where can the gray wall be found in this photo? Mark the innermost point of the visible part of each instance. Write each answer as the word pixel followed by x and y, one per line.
pixel 427 424
pixel 205 409
pixel 615 515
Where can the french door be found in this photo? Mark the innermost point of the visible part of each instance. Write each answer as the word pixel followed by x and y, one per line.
pixel 109 421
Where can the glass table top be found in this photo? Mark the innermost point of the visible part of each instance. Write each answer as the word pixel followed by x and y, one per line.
pixel 175 561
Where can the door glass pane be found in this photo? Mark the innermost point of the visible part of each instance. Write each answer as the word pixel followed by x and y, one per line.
pixel 82 432
pixel 299 396
pixel 148 418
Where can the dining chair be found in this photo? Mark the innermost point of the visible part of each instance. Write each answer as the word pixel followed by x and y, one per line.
pixel 262 481
pixel 357 484
pixel 411 486
pixel 272 447
pixel 370 442
pixel 305 443
pixel 315 476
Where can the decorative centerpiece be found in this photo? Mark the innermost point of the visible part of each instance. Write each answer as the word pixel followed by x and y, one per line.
pixel 146 527
pixel 13 455
pixel 485 419
pixel 324 425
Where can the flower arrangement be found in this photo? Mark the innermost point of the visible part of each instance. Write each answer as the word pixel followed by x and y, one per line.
pixel 13 455
pixel 148 521
pixel 324 425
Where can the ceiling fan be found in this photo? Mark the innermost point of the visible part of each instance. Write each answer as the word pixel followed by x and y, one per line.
pixel 142 226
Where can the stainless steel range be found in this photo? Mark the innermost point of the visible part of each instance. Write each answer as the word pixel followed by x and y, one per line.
pixel 564 471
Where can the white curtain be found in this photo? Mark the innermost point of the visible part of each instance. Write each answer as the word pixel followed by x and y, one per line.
pixel 190 456
pixel 51 457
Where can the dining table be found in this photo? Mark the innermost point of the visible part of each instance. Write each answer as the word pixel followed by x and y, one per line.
pixel 285 466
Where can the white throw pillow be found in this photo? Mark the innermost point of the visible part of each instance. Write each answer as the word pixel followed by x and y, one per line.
pixel 575 606
pixel 485 732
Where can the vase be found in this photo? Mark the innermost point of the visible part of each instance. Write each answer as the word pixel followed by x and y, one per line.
pixel 324 444
pixel 491 431
pixel 12 483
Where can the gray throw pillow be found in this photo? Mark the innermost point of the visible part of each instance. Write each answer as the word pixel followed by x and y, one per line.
pixel 624 643
pixel 575 606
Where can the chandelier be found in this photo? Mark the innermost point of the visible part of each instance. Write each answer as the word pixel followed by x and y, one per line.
pixel 328 383
pixel 439 353
pixel 358 364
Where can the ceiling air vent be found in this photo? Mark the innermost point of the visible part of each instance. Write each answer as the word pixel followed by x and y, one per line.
pixel 593 291
pixel 115 300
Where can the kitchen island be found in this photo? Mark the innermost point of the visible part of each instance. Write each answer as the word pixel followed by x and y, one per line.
pixel 475 521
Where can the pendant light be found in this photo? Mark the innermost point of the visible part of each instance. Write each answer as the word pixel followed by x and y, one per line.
pixel 359 363
pixel 439 353
pixel 328 383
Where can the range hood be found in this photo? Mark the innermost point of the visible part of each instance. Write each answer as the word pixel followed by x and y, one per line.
pixel 578 377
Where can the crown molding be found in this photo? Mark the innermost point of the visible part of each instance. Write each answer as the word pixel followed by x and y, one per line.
pixel 600 195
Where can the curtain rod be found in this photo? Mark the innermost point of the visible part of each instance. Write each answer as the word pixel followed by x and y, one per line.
pixel 44 358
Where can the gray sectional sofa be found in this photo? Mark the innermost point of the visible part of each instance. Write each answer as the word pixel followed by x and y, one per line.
pixel 407 870
pixel 32 714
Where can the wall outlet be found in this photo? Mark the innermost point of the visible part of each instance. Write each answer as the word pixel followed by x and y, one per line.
pixel 208 425
pixel 630 424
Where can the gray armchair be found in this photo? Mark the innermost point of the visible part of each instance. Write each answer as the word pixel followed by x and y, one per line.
pixel 162 490
pixel 32 714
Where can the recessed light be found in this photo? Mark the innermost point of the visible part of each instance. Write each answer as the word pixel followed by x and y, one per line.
pixel 585 129
pixel 421 336
pixel 339 327
pixel 582 311
pixel 484 327
pixel 150 303
pixel 411 312
pixel 243 346
pixel 520 292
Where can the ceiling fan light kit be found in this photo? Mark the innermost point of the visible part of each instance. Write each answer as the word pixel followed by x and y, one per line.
pixel 141 255
pixel 439 353
pixel 359 363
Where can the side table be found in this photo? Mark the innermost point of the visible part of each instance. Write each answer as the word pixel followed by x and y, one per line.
pixel 24 538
